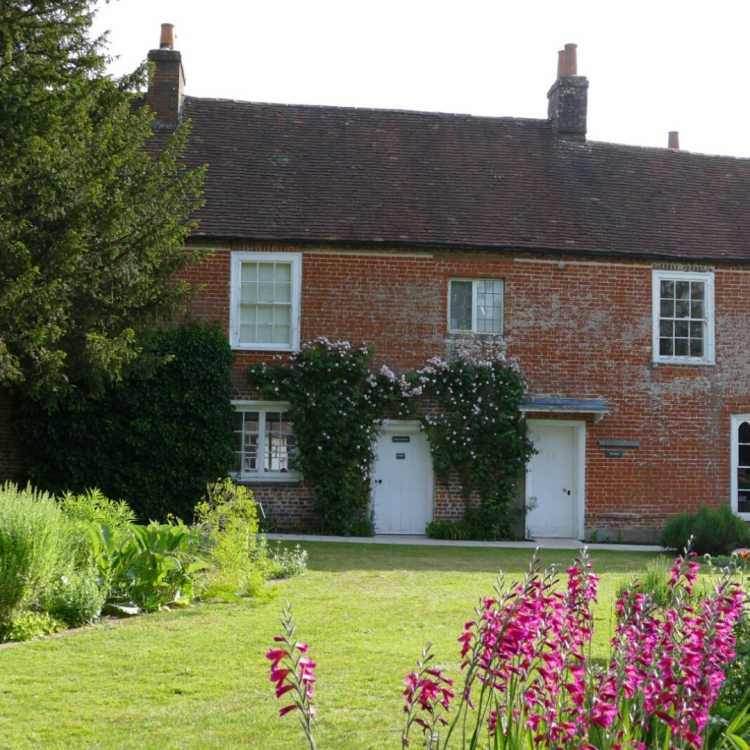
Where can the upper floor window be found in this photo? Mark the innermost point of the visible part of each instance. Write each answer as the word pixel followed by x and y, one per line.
pixel 264 442
pixel 683 310
pixel 475 305
pixel 265 301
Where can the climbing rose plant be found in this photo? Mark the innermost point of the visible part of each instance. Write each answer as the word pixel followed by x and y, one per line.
pixel 528 683
pixel 477 430
pixel 336 406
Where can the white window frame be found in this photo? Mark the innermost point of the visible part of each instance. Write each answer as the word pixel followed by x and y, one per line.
pixel 240 257
pixel 473 330
pixel 737 420
pixel 263 407
pixel 709 350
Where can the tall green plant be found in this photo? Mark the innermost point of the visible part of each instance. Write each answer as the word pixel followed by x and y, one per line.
pixel 336 405
pixel 32 546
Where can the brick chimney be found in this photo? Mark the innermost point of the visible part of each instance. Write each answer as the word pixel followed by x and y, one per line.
pixel 166 83
pixel 568 97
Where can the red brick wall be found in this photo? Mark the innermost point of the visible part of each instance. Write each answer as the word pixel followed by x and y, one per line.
pixel 584 330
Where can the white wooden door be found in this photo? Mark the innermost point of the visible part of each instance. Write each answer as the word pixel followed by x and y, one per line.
pixel 402 481
pixel 554 482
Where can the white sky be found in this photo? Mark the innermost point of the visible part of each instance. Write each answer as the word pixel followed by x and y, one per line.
pixel 652 66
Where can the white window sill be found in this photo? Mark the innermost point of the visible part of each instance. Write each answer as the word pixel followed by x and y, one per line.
pixel 262 348
pixel 683 362
pixel 287 477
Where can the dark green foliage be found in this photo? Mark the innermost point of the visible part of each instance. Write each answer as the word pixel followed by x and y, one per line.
pixel 460 530
pixel 715 531
pixel 92 224
pixel 478 433
pixel 335 406
pixel 154 440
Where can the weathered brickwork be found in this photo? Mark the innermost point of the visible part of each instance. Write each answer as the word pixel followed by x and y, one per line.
pixel 579 328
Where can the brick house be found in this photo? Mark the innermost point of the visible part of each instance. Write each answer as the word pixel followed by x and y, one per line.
pixel 618 276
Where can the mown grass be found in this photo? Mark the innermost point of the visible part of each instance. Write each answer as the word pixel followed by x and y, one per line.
pixel 198 679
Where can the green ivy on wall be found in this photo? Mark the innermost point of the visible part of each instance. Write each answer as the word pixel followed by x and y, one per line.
pixel 155 439
pixel 477 432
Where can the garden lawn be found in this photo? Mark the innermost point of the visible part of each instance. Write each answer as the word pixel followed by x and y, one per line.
pixel 198 678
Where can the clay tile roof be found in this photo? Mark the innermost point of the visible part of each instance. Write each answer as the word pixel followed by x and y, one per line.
pixel 355 176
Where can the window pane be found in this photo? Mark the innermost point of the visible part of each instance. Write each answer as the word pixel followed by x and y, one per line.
pixel 283 273
pixel 698 290
pixel 666 347
pixel 696 348
pixel 681 348
pixel 743 501
pixel 489 306
pixel 265 293
pixel 249 272
pixel 682 290
pixel 264 334
pixel 266 271
pixel 249 293
pixel 249 444
pixel 279 442
pixel 743 479
pixel 696 309
pixel 667 309
pixel 744 455
pixel 282 334
pixel 681 328
pixel 666 328
pixel 744 432
pixel 460 306
pixel 265 313
pixel 681 309
pixel 282 315
pixel 667 289
pixel 248 334
pixel 283 293
pixel 247 314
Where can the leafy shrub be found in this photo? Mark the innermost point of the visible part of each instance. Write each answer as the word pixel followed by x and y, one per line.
pixel 279 561
pixel 32 545
pixel 448 530
pixel 76 598
pixel 92 506
pixel 151 566
pixel 228 519
pixel 715 531
pixel 155 439
pixel 29 625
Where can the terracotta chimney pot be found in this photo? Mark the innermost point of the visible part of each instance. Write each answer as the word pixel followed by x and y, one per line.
pixel 167 36
pixel 674 139
pixel 561 63
pixel 570 65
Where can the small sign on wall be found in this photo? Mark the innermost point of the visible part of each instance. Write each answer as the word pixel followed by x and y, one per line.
pixel 614 454
pixel 401 455
pixel 400 438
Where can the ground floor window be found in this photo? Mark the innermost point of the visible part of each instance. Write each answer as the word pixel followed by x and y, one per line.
pixel 264 442
pixel 741 465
